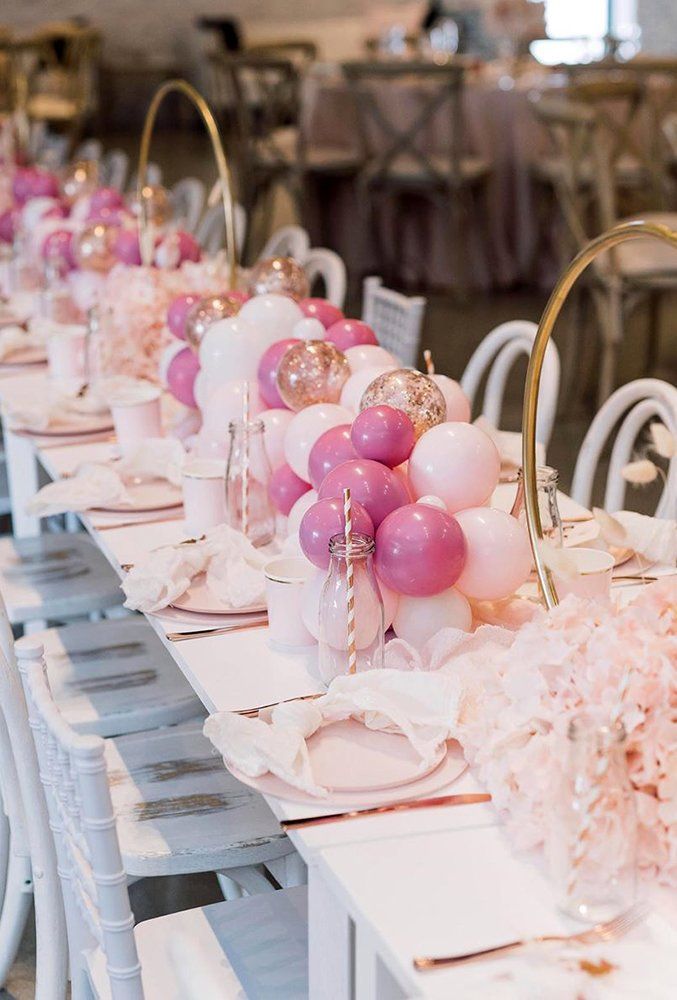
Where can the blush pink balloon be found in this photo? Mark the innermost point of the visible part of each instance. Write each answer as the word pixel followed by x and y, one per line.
pixel 369 356
pixel 59 244
pixel 499 556
pixel 373 485
pixel 327 313
pixel 383 433
pixel 358 383
pixel 457 462
pixel 267 371
pixel 324 519
pixel 7 226
pixel 181 373
pixel 126 247
pixel 181 243
pixel 458 404
pixel 330 450
pixel 419 550
pixel 178 313
pixel 285 488
pixel 420 618
pixel 350 333
pixel 104 198
pixel 275 424
pixel 295 515
pixel 307 426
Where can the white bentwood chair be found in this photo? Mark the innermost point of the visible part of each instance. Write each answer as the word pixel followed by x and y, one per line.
pixel 211 231
pixel 287 241
pixel 188 201
pixel 248 947
pixel 327 266
pixel 635 405
pixel 396 319
pixel 114 168
pixel 497 354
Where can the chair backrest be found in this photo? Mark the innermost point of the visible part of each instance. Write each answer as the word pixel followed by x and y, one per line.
pixel 396 319
pixel 387 133
pixel 636 403
pixel 90 149
pixel 327 266
pixel 301 52
pixel 287 241
pixel 114 168
pixel 497 354
pixel 188 200
pixel 93 879
pixel 153 177
pixel 211 231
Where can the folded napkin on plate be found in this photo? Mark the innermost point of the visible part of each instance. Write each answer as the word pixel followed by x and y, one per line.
pixel 233 567
pixel 40 414
pixel 155 458
pixel 655 538
pixel 423 707
pixel 509 444
pixel 15 338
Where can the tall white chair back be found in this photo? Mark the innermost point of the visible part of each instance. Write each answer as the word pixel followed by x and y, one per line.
pixel 287 241
pixel 328 266
pixel 396 319
pixel 91 149
pixel 153 176
pixel 188 201
pixel 211 232
pixel 636 403
pixel 114 168
pixel 497 353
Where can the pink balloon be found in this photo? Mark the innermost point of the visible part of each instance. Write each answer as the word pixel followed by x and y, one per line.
pixel 324 519
pixel 458 463
pixel 419 550
pixel 275 424
pixel 499 556
pixel 32 182
pixel 59 244
pixel 383 433
pixel 349 333
pixel 181 373
pixel 267 370
pixel 178 312
pixel 111 216
pixel 104 197
pixel 285 488
pixel 373 485
pixel 458 404
pixel 401 472
pixel 7 226
pixel 330 450
pixel 307 426
pixel 58 211
pixel 126 247
pixel 177 247
pixel 327 313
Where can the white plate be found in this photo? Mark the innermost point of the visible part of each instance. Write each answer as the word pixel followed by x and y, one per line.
pixel 73 425
pixel 199 598
pixel 579 532
pixel 152 494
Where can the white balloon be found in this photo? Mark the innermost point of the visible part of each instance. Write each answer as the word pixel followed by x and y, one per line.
pixel 291 546
pixel 369 356
pixel 80 208
pixel 34 209
pixel 231 349
pixel 304 430
pixel 299 509
pixel 355 386
pixel 275 424
pixel 224 404
pixel 309 328
pixel 167 356
pixel 274 316
pixel 418 619
pixel 431 501
pixel 202 387
pixel 458 404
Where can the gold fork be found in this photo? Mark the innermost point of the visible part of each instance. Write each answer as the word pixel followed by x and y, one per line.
pixel 607 931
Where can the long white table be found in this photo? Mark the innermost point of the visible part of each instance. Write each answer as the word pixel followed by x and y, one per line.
pixel 381 889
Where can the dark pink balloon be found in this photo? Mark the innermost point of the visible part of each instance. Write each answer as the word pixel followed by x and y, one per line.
pixel 267 371
pixel 420 550
pixel 59 245
pixel 373 485
pixel 105 197
pixel 350 333
pixel 32 182
pixel 60 211
pixel 285 488
pixel 189 248
pixel 330 450
pixel 383 433
pixel 324 519
pixel 110 216
pixel 178 313
pixel 327 313
pixel 126 247
pixel 7 226
pixel 181 373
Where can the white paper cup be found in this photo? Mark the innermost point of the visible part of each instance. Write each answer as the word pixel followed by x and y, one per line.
pixel 66 355
pixel 593 580
pixel 204 495
pixel 136 420
pixel 285 577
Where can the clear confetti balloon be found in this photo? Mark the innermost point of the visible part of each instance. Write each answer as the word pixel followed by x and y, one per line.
pixel 313 371
pixel 208 311
pixel 80 179
pixel 158 204
pixel 93 248
pixel 282 275
pixel 414 393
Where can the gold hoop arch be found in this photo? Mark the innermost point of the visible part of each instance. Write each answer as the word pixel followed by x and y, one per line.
pixel 205 112
pixel 619 234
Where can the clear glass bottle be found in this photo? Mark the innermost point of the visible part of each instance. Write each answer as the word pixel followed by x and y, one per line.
pixel 246 447
pixel 369 617
pixel 56 301
pixel 25 275
pixel 546 482
pixel 593 841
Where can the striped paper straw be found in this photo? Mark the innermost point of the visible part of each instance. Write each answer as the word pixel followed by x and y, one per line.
pixel 429 365
pixel 245 459
pixel 350 580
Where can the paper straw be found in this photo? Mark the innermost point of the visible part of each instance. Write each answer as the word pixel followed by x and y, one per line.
pixel 428 358
pixel 350 580
pixel 245 459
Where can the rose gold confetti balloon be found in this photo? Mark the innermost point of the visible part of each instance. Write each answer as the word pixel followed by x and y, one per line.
pixel 93 247
pixel 82 178
pixel 410 391
pixel 282 275
pixel 313 371
pixel 207 311
pixel 158 204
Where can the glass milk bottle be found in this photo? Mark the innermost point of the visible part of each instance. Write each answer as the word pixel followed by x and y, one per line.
pixel 249 509
pixel 546 484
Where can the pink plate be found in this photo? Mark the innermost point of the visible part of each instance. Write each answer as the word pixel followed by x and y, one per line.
pixel 200 599
pixel 152 494
pixel 364 767
pixel 74 425
pixel 25 356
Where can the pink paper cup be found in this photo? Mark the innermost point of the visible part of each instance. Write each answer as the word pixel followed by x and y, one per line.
pixel 285 577
pixel 66 355
pixel 204 495
pixel 593 580
pixel 136 421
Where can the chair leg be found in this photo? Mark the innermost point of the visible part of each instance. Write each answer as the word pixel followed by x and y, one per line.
pixel 15 910
pixel 610 313
pixel 4 850
pixel 229 887
pixel 457 215
pixel 654 331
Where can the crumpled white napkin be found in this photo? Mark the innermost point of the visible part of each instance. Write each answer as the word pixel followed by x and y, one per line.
pixel 15 338
pixel 509 444
pixel 233 567
pixel 155 458
pixel 39 414
pixel 655 538
pixel 423 707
